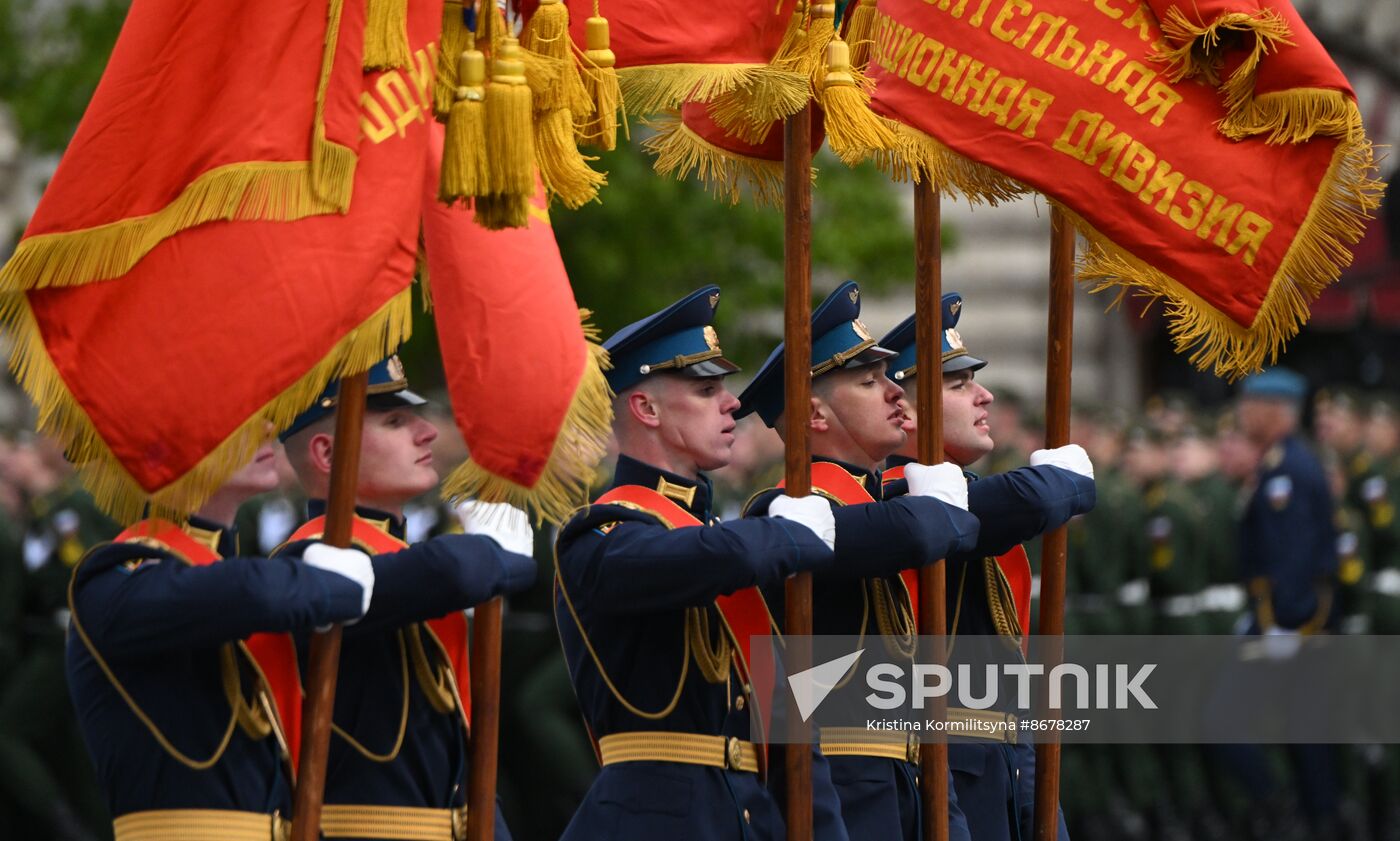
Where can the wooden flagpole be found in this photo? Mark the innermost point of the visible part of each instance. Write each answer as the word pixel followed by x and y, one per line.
pixel 1059 347
pixel 928 309
pixel 486 718
pixel 797 377
pixel 324 658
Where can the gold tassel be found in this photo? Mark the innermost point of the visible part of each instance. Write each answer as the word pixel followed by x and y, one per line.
pixel 547 36
pixel 510 144
pixel 852 129
pixel 582 442
pixel 860 33
pixel 821 29
pixel 386 34
pixel 498 212
pixel 451 43
pixel 792 50
pixel 465 172
pixel 563 169
pixel 601 87
pixel 547 31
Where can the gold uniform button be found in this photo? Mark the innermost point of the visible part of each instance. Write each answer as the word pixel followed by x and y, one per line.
pixel 739 703
pixel 746 816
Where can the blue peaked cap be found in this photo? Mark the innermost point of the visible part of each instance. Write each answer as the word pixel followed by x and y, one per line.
pixel 839 340
pixel 680 339
pixel 1276 384
pixel 388 388
pixel 903 341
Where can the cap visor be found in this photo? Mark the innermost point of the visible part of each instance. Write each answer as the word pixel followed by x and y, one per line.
pixel 872 354
pixel 395 399
pixel 717 367
pixel 963 363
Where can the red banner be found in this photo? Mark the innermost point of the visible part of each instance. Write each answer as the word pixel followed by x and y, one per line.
pixel 670 52
pixel 159 383
pixel 1065 96
pixel 206 111
pixel 527 388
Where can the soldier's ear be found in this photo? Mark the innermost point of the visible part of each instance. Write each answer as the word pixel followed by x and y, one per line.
pixel 321 449
pixel 820 418
pixel 643 408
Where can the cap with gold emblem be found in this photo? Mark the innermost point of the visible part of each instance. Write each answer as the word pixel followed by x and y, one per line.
pixel 680 339
pixel 388 389
pixel 902 340
pixel 839 340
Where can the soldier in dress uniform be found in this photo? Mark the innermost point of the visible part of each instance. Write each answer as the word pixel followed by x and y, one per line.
pixel 856 422
pixel 656 600
pixel 176 713
pixel 989 582
pixel 397 764
pixel 1288 557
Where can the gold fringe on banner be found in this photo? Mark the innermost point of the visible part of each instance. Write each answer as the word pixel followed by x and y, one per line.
pixel 852 129
pixel 1211 340
pixel 650 90
pixel 386 35
pixel 751 112
pixel 112 487
pixel 1295 116
pixel 918 156
pixel 680 151
pixel 280 191
pixel 580 444
pixel 1197 51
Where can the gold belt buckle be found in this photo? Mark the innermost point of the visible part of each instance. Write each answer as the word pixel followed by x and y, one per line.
pixel 733 754
pixel 913 749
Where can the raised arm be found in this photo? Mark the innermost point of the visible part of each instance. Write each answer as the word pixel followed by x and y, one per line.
pixel 134 599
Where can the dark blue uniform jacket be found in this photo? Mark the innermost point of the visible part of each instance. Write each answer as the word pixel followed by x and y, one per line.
pixel 159 625
pixel 1287 537
pixel 424 581
pixel 879 796
pixel 995 783
pixel 630 579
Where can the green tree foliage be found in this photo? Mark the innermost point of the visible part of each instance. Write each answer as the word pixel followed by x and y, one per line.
pixel 51 56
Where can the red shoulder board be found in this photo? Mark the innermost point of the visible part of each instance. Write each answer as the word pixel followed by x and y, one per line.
pixel 170 537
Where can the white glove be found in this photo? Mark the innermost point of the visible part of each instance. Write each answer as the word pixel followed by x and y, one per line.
pixel 1280 644
pixel 500 521
pixel 350 563
pixel 813 511
pixel 1071 457
pixel 944 482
